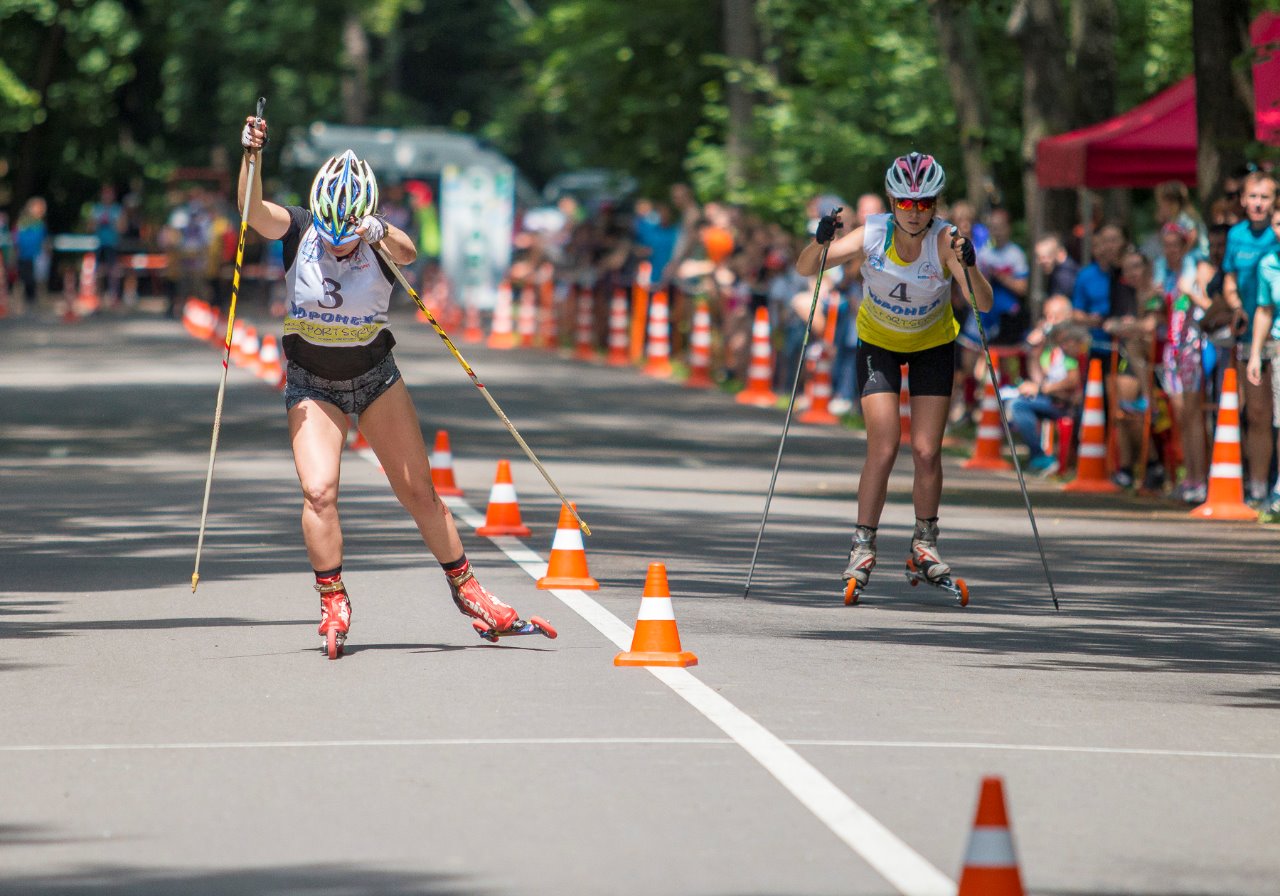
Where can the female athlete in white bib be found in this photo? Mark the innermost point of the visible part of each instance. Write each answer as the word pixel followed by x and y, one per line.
pixel 339 362
pixel 909 261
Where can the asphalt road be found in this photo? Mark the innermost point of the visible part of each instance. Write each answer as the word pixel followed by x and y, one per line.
pixel 154 741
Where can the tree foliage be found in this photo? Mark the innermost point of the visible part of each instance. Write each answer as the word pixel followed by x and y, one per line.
pixel 129 90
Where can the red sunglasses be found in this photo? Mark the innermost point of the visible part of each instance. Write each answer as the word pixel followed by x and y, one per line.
pixel 925 204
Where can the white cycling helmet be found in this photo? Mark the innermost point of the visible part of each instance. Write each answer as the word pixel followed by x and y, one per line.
pixel 914 176
pixel 343 192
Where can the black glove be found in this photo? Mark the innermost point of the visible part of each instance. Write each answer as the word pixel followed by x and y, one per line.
pixel 827 227
pixel 964 247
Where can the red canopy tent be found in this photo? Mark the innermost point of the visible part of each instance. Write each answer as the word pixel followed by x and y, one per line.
pixel 1156 141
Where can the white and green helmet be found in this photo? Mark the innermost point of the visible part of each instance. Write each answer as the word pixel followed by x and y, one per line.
pixel 343 192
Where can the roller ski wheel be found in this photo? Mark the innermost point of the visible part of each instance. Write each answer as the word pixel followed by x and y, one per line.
pixel 852 591
pixel 956 587
pixel 334 641
pixel 535 626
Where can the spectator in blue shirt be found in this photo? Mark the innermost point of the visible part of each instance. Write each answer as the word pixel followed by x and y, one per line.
pixel 1091 300
pixel 32 234
pixel 1247 242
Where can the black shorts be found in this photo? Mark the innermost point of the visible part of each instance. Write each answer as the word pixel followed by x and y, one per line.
pixel 350 396
pixel 930 372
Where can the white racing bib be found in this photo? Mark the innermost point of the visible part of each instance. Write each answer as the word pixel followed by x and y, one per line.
pixel 335 301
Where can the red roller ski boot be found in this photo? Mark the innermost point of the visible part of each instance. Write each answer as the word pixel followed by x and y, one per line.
pixel 491 618
pixel 926 565
pixel 335 617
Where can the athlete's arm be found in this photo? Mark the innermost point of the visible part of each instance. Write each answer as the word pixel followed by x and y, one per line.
pixel 267 218
pixel 842 249
pixel 399 246
pixel 982 294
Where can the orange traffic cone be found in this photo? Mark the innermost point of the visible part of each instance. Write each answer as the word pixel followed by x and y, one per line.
pixel 990 864
pixel 584 348
pixel 986 450
pixel 639 312
pixel 700 348
pixel 759 391
pixel 657 640
pixel 904 409
pixel 87 301
pixel 548 334
pixel 567 567
pixel 527 320
pixel 1091 459
pixel 272 370
pixel 619 334
pixel 500 332
pixel 658 351
pixel 1226 479
pixel 442 467
pixel 250 348
pixel 359 442
pixel 473 332
pixel 503 515
pixel 818 389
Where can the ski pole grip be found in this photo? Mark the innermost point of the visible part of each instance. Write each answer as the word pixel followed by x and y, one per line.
pixel 262 104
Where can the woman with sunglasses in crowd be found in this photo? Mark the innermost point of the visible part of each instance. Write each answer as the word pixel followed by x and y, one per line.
pixel 909 262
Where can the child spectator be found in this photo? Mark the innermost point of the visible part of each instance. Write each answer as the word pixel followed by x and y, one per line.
pixel 1053 386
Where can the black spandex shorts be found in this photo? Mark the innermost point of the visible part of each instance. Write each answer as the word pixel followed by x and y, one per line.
pixel 930 372
pixel 350 396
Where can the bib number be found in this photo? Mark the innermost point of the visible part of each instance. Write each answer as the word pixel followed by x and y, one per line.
pixel 899 292
pixel 331 288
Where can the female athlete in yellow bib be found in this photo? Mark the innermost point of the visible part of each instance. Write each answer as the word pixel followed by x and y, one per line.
pixel 909 261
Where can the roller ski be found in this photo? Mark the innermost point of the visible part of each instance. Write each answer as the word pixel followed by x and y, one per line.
pixel 490 617
pixel 925 565
pixel 335 618
pixel 862 559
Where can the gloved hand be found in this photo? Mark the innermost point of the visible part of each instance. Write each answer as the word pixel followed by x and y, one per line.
pixel 963 247
pixel 254 135
pixel 372 228
pixel 827 227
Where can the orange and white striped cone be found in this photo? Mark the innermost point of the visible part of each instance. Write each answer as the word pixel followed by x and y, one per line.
pixel 237 343
pixel 567 566
pixel 250 348
pixel 759 390
pixel 619 354
pixel 503 515
pixel 904 408
pixel 656 641
pixel 658 352
pixel 190 313
pixel 271 370
pixel 1091 459
pixel 1226 475
pixel 987 449
pixel 442 467
pixel 818 388
pixel 473 332
pixel 584 339
pixel 501 335
pixel 358 441
pixel 700 348
pixel 87 300
pixel 527 322
pixel 547 328
pixel 639 312
pixel 203 320
pixel 990 863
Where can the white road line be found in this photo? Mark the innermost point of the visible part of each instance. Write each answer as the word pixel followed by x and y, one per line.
pixel 624 741
pixel 909 872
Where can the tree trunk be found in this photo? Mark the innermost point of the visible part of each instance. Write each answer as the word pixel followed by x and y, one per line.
pixel 1224 92
pixel 28 167
pixel 959 50
pixel 1037 26
pixel 742 48
pixel 355 80
pixel 1093 46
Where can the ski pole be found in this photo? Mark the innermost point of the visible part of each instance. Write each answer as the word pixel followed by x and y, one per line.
pixel 786 423
pixel 431 319
pixel 226 354
pixel 1004 422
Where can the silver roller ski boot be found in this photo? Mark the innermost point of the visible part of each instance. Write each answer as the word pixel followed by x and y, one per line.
pixel 925 564
pixel 862 559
